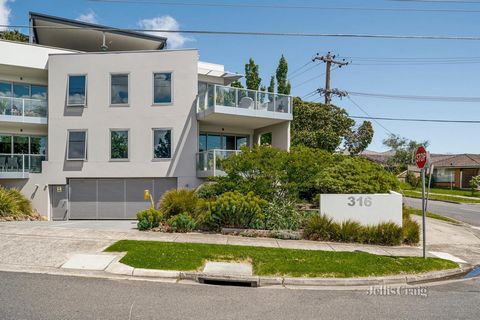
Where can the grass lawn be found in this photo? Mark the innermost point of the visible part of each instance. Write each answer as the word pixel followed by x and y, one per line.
pixel 418 212
pixel 416 194
pixel 271 261
pixel 454 192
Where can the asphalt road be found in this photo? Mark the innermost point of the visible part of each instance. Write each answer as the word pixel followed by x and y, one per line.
pixel 37 296
pixel 469 213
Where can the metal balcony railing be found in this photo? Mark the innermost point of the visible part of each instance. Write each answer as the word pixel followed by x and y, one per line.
pixel 210 162
pixel 22 107
pixel 21 163
pixel 223 96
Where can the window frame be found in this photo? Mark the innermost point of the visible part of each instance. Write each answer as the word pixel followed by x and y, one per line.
pixel 128 144
pixel 114 105
pixel 171 144
pixel 85 148
pixel 171 88
pixel 86 89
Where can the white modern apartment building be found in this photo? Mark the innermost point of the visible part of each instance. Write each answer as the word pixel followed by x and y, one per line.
pixel 90 117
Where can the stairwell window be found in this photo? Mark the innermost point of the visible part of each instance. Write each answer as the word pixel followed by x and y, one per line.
pixel 77 90
pixel 162 143
pixel 162 88
pixel 119 145
pixel 119 90
pixel 77 145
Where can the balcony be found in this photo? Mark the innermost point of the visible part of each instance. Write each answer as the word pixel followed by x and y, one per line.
pixel 19 166
pixel 209 163
pixel 23 110
pixel 251 109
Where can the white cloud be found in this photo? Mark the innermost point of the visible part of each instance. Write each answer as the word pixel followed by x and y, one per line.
pixel 175 40
pixel 5 12
pixel 90 17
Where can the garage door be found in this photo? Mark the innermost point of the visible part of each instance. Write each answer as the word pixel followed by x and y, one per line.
pixel 113 198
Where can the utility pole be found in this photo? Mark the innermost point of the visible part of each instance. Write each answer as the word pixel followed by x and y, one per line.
pixel 329 59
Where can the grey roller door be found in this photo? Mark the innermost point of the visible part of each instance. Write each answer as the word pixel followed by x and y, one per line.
pixel 83 199
pixel 114 198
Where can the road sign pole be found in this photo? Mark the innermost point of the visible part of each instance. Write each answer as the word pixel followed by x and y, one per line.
pixel 423 213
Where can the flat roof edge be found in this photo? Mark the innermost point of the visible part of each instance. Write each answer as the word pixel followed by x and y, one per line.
pixel 80 24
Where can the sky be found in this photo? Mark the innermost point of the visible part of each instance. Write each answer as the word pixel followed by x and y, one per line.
pixel 383 66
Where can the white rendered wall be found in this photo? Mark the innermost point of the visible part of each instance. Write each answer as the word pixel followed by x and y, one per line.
pixel 368 209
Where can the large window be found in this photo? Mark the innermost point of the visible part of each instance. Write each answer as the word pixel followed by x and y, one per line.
pixel 222 141
pixel 33 145
pixel 23 90
pixel 5 144
pixel 77 145
pixel 162 143
pixel 77 90
pixel 162 88
pixel 119 144
pixel 444 175
pixel 119 89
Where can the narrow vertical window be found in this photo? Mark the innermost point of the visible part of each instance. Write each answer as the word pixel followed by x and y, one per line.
pixel 162 143
pixel 162 88
pixel 119 89
pixel 77 90
pixel 77 145
pixel 119 144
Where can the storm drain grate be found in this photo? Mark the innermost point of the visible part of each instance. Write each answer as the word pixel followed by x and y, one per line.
pixel 229 282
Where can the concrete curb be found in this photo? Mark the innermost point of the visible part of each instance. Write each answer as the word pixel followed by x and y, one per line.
pixel 258 281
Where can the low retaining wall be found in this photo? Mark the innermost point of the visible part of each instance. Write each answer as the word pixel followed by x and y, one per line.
pixel 365 208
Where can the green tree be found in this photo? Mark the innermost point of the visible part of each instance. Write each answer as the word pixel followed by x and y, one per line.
pixel 252 77
pixel 403 151
pixel 475 184
pixel 271 87
pixel 316 125
pixel 357 140
pixel 283 87
pixel 236 84
pixel 14 35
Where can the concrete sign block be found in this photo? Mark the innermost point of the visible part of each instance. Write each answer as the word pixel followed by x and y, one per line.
pixel 368 209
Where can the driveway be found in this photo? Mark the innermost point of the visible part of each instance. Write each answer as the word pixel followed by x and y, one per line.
pixel 468 213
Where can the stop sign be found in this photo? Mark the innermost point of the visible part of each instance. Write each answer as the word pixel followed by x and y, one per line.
pixel 421 157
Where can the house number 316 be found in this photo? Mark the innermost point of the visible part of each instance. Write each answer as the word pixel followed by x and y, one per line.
pixel 360 201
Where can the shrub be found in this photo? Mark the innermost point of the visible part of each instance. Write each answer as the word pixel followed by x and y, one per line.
pixel 350 231
pixel 281 214
pixel 233 209
pixel 13 203
pixel 411 232
pixel 355 175
pixel 177 201
pixel 321 227
pixel 143 225
pixel 148 219
pixel 182 222
pixel 302 173
pixel 412 180
pixel 388 234
pixel 209 191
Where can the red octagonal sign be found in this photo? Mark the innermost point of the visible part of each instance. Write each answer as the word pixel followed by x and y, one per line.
pixel 421 157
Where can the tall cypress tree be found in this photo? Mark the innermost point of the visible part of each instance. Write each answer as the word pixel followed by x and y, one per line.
pixel 271 87
pixel 283 86
pixel 252 77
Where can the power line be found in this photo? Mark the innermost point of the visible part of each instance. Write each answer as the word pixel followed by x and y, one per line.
pixel 300 68
pixel 270 34
pixel 305 71
pixel 276 6
pixel 368 115
pixel 415 97
pixel 418 120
